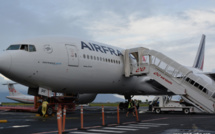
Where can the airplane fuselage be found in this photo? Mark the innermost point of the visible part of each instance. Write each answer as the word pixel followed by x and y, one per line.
pixel 72 66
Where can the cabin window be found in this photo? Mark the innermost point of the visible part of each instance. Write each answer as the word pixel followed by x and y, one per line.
pixel 13 47
pixel 84 56
pixel 192 82
pixel 196 85
pixel 88 56
pixel 187 79
pixel 204 90
pixel 200 87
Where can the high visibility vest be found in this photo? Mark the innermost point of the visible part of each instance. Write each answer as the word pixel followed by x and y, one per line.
pixel 45 103
pixel 130 105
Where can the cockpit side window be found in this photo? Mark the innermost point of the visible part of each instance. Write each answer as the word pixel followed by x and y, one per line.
pixel 24 47
pixel 13 47
pixel 32 48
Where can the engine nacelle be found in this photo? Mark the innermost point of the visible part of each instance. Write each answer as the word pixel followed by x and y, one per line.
pixel 85 98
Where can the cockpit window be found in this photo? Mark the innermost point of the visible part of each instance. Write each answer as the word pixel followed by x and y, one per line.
pixel 25 47
pixel 32 48
pixel 13 47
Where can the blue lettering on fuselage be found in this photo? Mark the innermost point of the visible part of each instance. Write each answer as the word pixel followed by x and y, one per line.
pixel 99 48
pixel 83 45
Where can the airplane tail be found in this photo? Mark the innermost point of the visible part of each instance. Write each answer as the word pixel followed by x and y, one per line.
pixel 199 60
pixel 12 90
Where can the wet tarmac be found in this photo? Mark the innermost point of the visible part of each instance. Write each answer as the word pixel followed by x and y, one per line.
pixel 149 123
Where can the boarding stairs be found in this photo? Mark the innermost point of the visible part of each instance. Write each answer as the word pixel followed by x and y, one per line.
pixel 175 77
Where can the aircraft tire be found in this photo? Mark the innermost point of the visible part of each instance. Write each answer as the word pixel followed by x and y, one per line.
pixel 186 111
pixel 49 111
pixel 157 110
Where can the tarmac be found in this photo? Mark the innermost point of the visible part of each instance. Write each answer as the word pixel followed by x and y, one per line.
pixel 149 123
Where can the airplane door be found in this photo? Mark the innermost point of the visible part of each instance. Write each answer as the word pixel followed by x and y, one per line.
pixel 72 52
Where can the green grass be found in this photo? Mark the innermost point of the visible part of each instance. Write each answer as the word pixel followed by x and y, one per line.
pixel 16 104
pixel 113 104
pixel 91 104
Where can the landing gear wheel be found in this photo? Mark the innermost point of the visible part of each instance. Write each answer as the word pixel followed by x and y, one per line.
pixel 157 110
pixel 49 111
pixel 186 111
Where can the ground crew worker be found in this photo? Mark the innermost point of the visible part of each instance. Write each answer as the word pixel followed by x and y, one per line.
pixel 130 108
pixel 44 107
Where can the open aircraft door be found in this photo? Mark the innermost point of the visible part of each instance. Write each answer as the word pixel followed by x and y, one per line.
pixel 73 59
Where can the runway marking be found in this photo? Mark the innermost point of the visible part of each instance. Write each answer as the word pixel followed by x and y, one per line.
pixel 155 119
pixel 114 128
pixel 84 133
pixel 142 125
pixel 106 131
pixel 18 126
pixel 92 127
pixel 133 127
pixel 153 123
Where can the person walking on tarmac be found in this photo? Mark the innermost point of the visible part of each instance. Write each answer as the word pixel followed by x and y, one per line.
pixel 130 108
pixel 44 107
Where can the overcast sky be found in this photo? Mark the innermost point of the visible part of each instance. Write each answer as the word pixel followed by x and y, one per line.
pixel 173 27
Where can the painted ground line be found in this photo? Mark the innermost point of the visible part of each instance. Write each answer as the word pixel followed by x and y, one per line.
pixel 18 126
pixel 84 133
pixel 127 129
pixel 155 119
pixel 105 131
pixel 133 127
pixel 139 125
pixel 152 124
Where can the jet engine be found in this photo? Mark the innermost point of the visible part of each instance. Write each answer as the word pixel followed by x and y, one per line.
pixel 85 98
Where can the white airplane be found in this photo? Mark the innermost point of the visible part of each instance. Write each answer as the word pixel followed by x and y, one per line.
pixel 80 68
pixel 17 96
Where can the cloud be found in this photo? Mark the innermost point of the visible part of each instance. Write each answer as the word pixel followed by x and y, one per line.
pixel 177 36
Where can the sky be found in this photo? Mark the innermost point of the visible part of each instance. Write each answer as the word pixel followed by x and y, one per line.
pixel 173 27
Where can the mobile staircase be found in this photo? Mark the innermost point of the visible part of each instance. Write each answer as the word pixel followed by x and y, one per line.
pixel 175 77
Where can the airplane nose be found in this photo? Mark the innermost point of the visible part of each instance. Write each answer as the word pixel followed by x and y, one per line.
pixel 5 62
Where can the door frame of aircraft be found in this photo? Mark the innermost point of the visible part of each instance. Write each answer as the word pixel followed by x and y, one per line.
pixel 73 57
